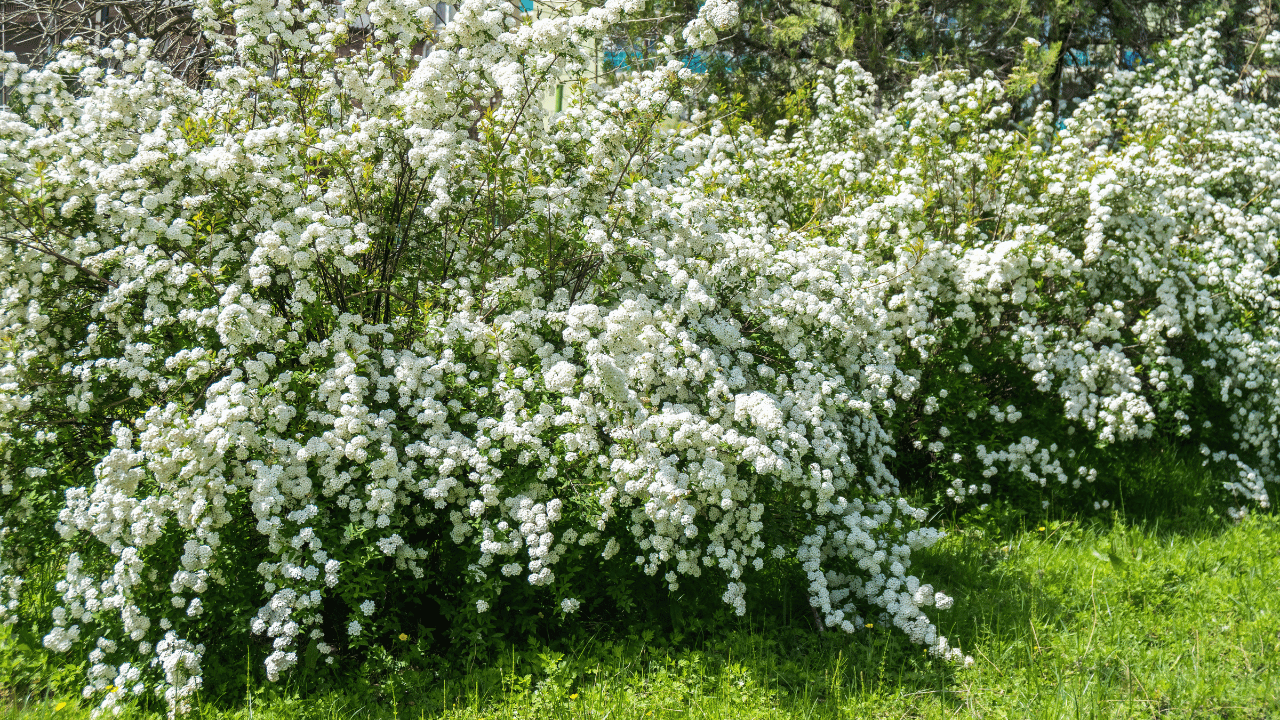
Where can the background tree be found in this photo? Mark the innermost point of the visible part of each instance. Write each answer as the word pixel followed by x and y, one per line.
pixel 770 64
pixel 768 67
pixel 36 28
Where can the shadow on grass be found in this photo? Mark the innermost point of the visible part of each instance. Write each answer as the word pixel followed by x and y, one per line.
pixel 756 667
pixel 1150 608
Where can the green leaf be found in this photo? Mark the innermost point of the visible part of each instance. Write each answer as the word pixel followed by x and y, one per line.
pixel 312 655
pixel 1115 559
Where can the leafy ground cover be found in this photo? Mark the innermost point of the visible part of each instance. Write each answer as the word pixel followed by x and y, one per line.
pixel 1161 609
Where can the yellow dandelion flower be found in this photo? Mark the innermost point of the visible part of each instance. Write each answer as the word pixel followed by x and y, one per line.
pixel 59 706
pixel 403 636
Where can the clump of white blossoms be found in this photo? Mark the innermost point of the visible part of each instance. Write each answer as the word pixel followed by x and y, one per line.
pixel 353 316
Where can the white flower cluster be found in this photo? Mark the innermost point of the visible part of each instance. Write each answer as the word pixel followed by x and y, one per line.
pixel 354 312
pixel 712 15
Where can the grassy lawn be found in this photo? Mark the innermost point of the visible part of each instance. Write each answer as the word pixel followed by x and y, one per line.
pixel 1105 619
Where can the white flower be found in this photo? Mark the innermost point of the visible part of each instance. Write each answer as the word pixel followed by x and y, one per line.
pixel 649 362
pixel 560 377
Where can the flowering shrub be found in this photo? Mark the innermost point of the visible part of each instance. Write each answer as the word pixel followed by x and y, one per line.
pixel 348 320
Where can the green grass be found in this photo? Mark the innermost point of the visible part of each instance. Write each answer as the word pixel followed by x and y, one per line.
pixel 1108 619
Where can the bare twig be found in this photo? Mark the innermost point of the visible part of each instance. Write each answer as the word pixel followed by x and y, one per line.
pixel 36 29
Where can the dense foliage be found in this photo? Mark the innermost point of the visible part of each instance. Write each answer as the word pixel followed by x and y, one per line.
pixel 353 327
pixel 782 46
